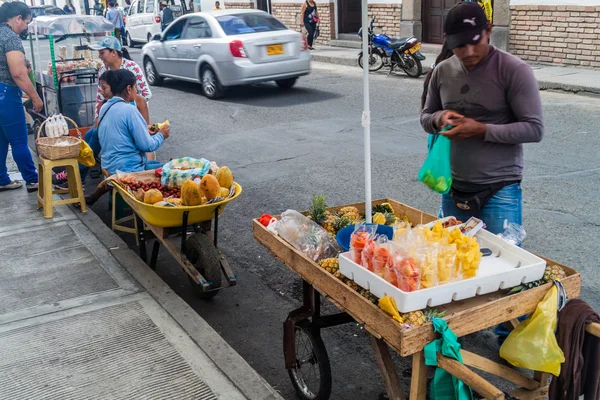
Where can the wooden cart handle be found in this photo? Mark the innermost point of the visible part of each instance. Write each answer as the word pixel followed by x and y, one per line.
pixel 67 118
pixel 470 378
pixel 593 329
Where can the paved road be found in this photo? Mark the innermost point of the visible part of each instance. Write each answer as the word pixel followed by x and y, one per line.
pixel 286 146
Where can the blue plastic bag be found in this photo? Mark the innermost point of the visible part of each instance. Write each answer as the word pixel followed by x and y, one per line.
pixel 436 172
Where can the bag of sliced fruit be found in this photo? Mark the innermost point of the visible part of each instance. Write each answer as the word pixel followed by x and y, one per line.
pixel 179 170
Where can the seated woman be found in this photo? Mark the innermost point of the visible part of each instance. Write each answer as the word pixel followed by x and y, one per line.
pixel 123 132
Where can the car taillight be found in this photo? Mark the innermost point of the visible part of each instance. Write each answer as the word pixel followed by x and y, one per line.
pixel 237 49
pixel 157 19
pixel 304 43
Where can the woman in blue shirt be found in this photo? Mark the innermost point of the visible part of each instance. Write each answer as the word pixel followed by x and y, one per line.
pixel 123 132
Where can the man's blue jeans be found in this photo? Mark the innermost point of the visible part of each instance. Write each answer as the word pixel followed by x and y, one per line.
pixel 506 204
pixel 13 132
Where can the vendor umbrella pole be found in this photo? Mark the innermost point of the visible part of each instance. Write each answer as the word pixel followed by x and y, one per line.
pixel 366 116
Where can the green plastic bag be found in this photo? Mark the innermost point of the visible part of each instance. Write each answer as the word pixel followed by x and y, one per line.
pixel 436 172
pixel 445 386
pixel 532 344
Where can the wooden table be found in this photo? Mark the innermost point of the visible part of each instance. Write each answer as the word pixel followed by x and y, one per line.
pixel 463 317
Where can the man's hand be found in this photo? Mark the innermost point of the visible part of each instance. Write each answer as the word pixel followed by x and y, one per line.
pixel 448 117
pixel 463 128
pixel 37 104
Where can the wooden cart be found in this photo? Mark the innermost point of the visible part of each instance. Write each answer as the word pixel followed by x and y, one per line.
pixel 198 253
pixel 463 317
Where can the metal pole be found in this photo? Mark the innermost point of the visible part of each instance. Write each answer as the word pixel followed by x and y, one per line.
pixel 366 116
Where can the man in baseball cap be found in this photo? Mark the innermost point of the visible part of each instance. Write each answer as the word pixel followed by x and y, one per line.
pixel 488 101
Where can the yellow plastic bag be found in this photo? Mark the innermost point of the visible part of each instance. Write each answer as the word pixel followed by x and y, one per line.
pixel 533 344
pixel 86 155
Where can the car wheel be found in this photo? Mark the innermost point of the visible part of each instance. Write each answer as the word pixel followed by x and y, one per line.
pixel 154 79
pixel 211 86
pixel 286 83
pixel 130 42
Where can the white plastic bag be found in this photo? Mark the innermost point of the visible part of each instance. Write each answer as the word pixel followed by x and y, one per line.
pixel 307 236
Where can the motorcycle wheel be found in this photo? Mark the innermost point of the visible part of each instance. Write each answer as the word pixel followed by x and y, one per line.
pixel 412 65
pixel 375 62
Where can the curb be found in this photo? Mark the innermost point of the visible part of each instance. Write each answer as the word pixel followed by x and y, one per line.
pixel 239 372
pixel 565 87
pixel 543 84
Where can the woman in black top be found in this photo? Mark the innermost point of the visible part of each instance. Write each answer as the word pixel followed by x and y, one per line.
pixel 310 17
pixel 14 80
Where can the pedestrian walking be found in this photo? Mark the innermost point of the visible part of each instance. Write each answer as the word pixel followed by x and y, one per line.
pixel 114 16
pixel 98 8
pixel 217 6
pixel 14 80
pixel 193 7
pixel 68 8
pixel 166 15
pixel 491 100
pixel 310 19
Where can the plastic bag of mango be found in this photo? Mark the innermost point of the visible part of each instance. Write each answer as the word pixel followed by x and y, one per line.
pixel 468 255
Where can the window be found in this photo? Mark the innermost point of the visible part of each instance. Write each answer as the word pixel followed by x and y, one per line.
pixel 133 9
pixel 174 31
pixel 197 28
pixel 141 5
pixel 239 24
pixel 150 6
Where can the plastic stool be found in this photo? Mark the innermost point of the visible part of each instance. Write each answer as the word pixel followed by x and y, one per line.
pixel 118 207
pixel 46 190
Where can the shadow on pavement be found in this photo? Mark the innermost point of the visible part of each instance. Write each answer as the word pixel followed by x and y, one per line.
pixel 260 95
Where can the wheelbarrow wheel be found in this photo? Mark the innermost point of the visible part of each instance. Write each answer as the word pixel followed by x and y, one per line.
pixel 201 252
pixel 311 374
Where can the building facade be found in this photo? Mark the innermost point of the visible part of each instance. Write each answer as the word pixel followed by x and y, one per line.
pixel 560 32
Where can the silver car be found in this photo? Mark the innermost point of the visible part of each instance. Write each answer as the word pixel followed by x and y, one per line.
pixel 226 48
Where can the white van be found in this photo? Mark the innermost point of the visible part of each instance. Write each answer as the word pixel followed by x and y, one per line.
pixel 143 21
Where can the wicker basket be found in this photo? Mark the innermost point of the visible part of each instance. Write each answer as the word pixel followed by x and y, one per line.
pixel 47 149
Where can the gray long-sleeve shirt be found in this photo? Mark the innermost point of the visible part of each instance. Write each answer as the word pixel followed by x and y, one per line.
pixel 500 92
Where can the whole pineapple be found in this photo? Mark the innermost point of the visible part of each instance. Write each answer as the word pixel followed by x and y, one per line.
pixel 318 209
pixel 330 223
pixel 414 318
pixel 553 272
pixel 330 265
pixel 351 213
pixel 341 223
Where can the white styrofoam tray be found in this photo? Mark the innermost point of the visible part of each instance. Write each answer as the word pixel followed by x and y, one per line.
pixel 507 267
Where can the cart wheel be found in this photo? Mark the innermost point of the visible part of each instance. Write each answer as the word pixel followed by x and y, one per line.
pixel 201 252
pixel 311 376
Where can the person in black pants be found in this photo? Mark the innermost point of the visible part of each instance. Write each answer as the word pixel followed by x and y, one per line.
pixel 310 18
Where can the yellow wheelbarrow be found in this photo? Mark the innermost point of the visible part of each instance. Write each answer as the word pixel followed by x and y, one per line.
pixel 198 253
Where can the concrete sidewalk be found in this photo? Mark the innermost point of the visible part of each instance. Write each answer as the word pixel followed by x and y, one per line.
pixel 81 316
pixel 573 80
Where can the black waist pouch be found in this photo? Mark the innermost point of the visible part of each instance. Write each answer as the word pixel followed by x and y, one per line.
pixel 477 196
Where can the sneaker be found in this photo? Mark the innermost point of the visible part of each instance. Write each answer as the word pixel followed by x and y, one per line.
pixel 33 187
pixel 12 186
pixel 59 178
pixel 61 186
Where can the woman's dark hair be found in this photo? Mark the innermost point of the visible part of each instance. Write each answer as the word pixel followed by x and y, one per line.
pixel 118 80
pixel 14 9
pixel 445 54
pixel 124 53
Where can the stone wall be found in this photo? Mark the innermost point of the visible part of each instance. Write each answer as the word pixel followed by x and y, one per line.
pixel 289 14
pixel 238 5
pixel 562 35
pixel 387 18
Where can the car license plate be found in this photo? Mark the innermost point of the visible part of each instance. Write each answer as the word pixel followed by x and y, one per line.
pixel 274 49
pixel 415 48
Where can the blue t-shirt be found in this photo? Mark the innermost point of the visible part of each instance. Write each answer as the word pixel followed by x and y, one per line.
pixel 124 137
pixel 113 14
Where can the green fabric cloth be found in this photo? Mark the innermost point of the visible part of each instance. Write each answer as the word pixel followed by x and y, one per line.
pixel 32 78
pixel 445 386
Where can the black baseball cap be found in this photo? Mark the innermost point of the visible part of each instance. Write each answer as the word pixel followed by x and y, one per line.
pixel 464 24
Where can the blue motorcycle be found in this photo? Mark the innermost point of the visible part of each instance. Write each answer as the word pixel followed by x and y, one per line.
pixel 394 53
